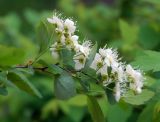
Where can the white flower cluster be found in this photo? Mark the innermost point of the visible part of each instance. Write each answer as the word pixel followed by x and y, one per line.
pixel 112 70
pixel 66 29
pixel 106 62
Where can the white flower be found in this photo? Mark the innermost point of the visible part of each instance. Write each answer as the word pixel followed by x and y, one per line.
pixel 62 39
pixel 79 60
pixel 74 39
pixel 121 74
pixel 53 20
pixel 117 91
pixel 57 21
pixel 82 54
pixel 97 62
pixel 137 78
pixel 103 70
pixel 130 71
pixel 70 26
pixel 54 51
pixel 85 48
pixel 119 69
pixel 98 65
pixel 111 57
pixel 71 42
pixel 120 89
pixel 103 52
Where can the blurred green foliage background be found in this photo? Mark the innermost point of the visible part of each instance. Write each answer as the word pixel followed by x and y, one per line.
pixel 131 26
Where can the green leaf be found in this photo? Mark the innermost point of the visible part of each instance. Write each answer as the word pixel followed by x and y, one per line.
pixel 149 37
pixel 3 78
pixel 3 91
pixel 11 55
pixel 128 32
pixel 51 106
pixel 156 113
pixel 64 86
pixel 145 116
pixel 91 57
pixel 110 95
pixel 75 113
pixel 138 99
pixel 43 36
pixel 119 113
pixel 84 81
pixel 78 100
pixel 155 2
pixel 22 83
pixel 67 58
pixel 148 61
pixel 95 110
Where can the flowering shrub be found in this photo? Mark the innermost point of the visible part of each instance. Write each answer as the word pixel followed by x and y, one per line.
pixel 106 62
pixel 76 68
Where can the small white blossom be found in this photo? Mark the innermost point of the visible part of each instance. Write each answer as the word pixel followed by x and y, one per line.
pixel 103 70
pixel 54 51
pixel 137 78
pixel 130 71
pixel 97 62
pixel 62 39
pixel 117 91
pixel 71 42
pixel 103 52
pixel 57 21
pixel 119 70
pixel 82 54
pixel 85 48
pixel 70 26
pixel 99 65
pixel 74 39
pixel 79 60
pixel 111 57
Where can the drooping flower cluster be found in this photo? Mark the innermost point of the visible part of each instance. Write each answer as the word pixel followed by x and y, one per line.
pixel 66 29
pixel 106 62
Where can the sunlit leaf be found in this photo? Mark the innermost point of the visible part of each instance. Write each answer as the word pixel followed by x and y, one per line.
pixel 79 100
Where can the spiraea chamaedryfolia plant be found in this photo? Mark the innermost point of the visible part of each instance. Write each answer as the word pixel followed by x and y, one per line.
pixel 79 64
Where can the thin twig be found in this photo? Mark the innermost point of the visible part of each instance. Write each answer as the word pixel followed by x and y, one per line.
pixel 44 69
